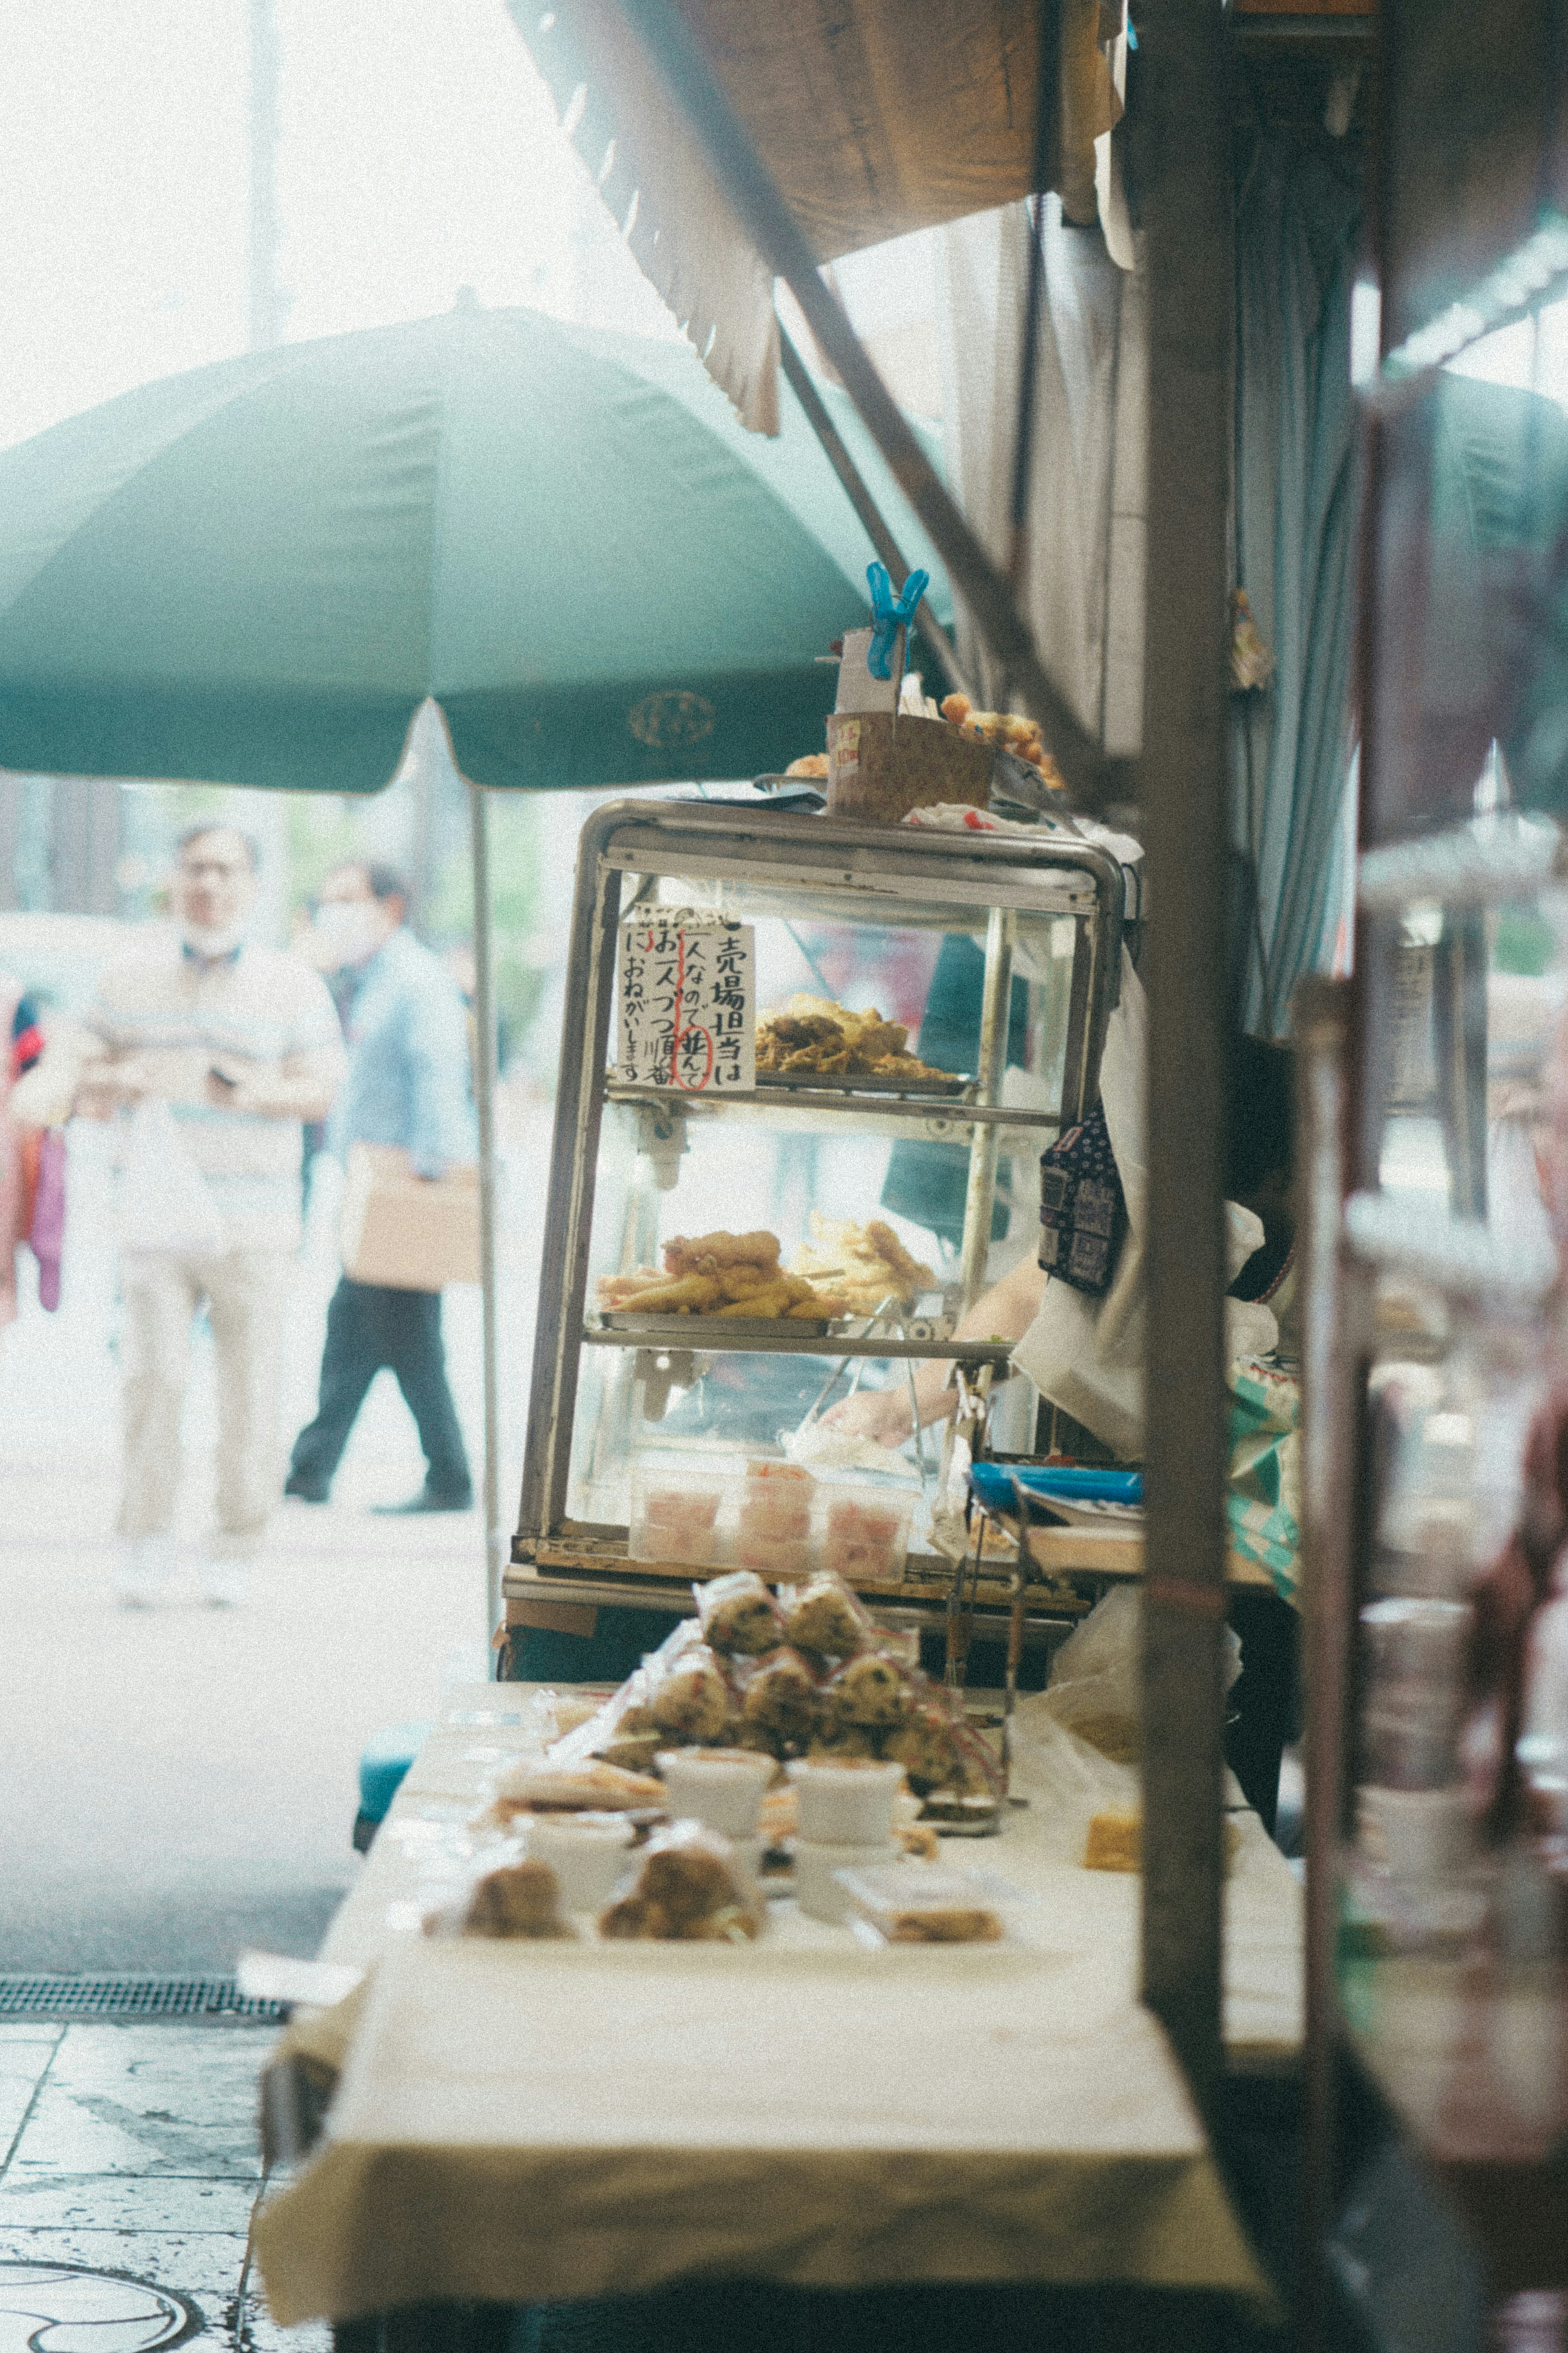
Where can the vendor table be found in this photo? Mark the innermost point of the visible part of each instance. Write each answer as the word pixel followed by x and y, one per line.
pixel 522 2123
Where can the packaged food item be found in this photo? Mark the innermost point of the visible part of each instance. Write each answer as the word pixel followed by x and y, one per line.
pixel 691 1889
pixel 781 1694
pixel 675 1513
pixel 1115 1841
pixel 871 1691
pixel 739 1617
pixel 818 1889
pixel 722 1787
pixel 848 1740
pixel 592 1787
pixel 517 1899
pixel 923 1904
pixel 693 1700
pixel 846 1800
pixel 825 1617
pixel 587 1853
pixel 923 1744
pixel 865 1538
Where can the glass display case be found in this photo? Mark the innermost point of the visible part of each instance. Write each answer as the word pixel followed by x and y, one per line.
pixel 999 955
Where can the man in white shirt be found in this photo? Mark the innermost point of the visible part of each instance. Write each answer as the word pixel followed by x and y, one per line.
pixel 241 1043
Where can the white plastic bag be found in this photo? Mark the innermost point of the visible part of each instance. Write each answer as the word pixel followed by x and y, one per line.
pixel 163 1203
pixel 1086 1355
pixel 1096 1689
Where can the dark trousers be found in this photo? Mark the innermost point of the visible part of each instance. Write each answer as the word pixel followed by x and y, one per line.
pixel 369 1326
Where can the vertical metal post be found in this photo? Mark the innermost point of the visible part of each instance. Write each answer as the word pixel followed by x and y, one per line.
pixel 1183 171
pixel 996 1008
pixel 1328 1452
pixel 484 1098
pixel 266 306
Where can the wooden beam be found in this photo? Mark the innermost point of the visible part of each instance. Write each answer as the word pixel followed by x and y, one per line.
pixel 1182 173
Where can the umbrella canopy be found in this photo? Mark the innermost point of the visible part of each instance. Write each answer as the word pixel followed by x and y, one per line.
pixel 255 573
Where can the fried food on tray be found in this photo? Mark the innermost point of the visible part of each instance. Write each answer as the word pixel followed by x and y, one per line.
pixel 810 763
pixel 814 1037
pixel 1008 732
pixel 720 1249
pixel 866 1265
pixel 718 1274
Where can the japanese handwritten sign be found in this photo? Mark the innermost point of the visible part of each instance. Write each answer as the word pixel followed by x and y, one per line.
pixel 687 1002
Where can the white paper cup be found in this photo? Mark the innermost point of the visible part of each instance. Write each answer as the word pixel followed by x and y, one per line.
pixel 587 1857
pixel 818 1889
pixel 725 1793
pixel 846 1805
pixel 1419 1834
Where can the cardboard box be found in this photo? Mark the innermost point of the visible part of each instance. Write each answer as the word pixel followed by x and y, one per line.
pixel 409 1232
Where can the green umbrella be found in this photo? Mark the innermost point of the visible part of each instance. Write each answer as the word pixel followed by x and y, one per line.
pixel 255 573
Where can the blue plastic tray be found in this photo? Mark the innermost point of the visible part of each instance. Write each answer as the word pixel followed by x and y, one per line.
pixel 992 1485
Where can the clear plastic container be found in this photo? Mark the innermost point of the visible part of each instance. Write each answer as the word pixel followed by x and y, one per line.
pixel 846 1804
pixel 863 1529
pixel 927 1903
pixel 722 1788
pixel 676 1513
pixel 819 1889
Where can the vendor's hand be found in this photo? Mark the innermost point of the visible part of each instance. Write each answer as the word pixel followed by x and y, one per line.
pixel 880 1414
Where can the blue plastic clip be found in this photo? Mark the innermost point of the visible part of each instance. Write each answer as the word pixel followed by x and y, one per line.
pixel 890 615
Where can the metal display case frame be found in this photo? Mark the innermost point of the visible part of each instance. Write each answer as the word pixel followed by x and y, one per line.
pixel 816 869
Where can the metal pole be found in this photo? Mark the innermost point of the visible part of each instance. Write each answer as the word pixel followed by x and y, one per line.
pixel 1329 1454
pixel 1091 777
pixel 265 303
pixel 797 376
pixel 1183 169
pixel 484 1097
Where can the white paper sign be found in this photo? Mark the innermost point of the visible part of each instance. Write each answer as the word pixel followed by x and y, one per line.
pixel 687 1002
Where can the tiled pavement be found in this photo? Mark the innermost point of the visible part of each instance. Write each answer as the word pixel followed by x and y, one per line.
pixel 131 2150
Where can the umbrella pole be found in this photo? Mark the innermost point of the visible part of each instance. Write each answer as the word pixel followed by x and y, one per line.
pixel 484 1098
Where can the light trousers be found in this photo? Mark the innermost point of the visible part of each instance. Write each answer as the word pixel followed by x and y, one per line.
pixel 244 1292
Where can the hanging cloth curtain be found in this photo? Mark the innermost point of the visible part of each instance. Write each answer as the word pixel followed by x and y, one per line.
pixel 1295 503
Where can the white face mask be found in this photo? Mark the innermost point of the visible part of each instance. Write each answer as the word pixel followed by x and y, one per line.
pixel 350 930
pixel 203 940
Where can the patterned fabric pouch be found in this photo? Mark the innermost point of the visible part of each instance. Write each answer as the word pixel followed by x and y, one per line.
pixel 1262 1485
pixel 1083 1214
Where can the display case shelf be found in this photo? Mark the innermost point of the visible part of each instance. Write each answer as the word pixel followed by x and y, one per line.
pixel 995 1352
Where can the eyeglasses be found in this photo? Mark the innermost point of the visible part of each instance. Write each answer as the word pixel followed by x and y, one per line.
pixel 222 870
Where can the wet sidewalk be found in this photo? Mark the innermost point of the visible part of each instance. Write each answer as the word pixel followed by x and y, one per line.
pixel 129 2168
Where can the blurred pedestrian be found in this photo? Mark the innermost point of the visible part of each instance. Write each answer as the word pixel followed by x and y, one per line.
pixel 408 1085
pixel 208 1051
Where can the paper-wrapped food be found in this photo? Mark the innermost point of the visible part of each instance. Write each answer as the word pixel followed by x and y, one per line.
pixel 739 1616
pixel 690 1890
pixel 825 1617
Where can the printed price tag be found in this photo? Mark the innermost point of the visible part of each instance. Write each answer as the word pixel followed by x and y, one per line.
pixel 687 1001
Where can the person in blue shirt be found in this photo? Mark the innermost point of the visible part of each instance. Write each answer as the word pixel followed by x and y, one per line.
pixel 408 1084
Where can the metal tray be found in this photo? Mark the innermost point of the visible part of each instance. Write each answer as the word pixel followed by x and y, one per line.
pixel 712 1329
pixel 869 1083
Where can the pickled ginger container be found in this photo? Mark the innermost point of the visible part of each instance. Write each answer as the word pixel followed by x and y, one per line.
pixel 677 1512
pixel 862 1529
